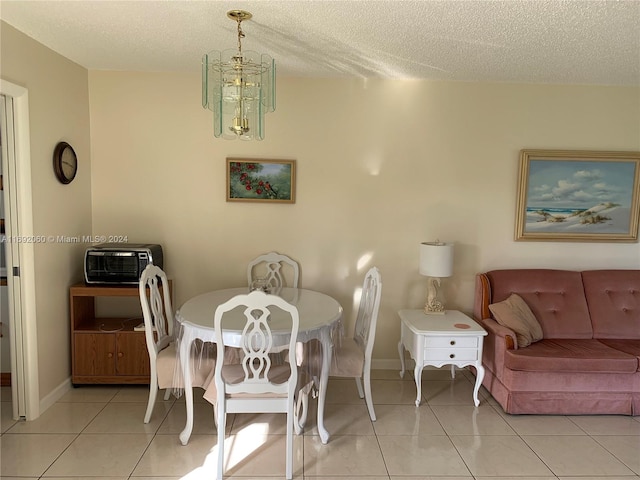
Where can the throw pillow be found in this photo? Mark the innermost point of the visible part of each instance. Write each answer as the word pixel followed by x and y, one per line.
pixel 514 313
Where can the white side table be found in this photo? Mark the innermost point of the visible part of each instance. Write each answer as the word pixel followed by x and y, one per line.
pixel 450 339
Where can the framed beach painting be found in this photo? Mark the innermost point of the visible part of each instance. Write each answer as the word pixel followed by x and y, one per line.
pixel 271 181
pixel 578 196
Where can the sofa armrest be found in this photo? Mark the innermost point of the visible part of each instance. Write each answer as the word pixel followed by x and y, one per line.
pixel 507 336
pixel 498 341
pixel 482 297
pixel 482 313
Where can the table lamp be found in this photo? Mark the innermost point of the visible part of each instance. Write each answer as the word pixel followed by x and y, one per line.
pixel 436 262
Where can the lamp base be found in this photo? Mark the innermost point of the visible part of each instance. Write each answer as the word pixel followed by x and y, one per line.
pixel 429 310
pixel 433 305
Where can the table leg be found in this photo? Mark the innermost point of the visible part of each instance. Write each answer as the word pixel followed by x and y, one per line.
pixel 479 378
pixel 417 373
pixel 324 379
pixel 185 347
pixel 401 353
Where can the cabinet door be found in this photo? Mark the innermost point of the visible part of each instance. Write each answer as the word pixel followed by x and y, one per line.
pixel 132 354
pixel 94 354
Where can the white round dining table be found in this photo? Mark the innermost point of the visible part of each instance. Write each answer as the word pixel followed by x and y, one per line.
pixel 319 316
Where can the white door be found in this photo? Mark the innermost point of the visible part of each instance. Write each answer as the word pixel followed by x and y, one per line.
pixel 5 347
pixel 19 257
pixel 12 341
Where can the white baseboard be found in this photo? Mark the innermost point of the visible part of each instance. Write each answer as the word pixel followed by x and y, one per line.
pixel 376 364
pixel 389 364
pixel 55 395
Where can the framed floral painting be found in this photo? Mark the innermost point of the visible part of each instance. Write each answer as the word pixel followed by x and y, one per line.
pixel 271 181
pixel 566 195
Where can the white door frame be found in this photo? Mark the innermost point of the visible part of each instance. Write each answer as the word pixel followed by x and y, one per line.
pixel 22 300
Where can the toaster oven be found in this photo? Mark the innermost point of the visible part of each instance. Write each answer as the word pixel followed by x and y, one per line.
pixel 120 263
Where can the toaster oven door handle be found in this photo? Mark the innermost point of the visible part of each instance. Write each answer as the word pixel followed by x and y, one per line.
pixel 112 254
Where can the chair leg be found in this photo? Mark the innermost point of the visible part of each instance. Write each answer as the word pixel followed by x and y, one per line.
pixel 367 395
pixel 153 392
pixel 301 408
pixel 289 454
pixel 359 385
pixel 167 394
pixel 222 420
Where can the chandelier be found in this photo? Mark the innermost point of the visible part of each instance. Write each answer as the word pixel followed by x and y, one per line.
pixel 239 87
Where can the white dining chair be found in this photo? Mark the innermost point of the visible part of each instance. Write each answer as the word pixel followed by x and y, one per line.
pixel 256 385
pixel 353 357
pixel 270 268
pixel 158 331
pixel 157 313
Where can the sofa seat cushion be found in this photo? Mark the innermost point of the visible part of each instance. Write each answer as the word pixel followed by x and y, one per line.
pixel 570 355
pixel 630 346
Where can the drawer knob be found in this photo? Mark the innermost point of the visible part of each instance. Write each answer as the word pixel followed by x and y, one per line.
pixel 109 355
pixel 453 342
pixel 453 355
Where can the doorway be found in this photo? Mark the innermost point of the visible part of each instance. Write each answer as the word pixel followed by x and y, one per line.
pixel 5 346
pixel 19 256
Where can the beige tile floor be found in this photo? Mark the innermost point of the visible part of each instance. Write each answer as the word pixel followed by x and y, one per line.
pixel 97 433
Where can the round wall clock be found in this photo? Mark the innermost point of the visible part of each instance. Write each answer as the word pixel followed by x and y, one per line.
pixel 65 162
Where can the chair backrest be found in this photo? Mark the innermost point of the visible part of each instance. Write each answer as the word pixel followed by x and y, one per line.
pixel 156 309
pixel 271 265
pixel 257 342
pixel 365 329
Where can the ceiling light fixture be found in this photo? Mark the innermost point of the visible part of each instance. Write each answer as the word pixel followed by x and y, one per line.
pixel 239 87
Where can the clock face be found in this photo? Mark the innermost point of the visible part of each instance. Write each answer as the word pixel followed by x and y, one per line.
pixel 69 162
pixel 65 162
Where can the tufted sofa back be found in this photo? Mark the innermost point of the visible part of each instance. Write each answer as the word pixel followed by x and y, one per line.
pixel 613 297
pixel 556 298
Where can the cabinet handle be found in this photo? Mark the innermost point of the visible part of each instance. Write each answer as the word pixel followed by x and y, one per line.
pixel 453 342
pixel 453 355
pixel 109 355
pixel 120 354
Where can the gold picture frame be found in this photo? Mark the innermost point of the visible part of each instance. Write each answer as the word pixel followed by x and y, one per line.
pixel 578 196
pixel 269 181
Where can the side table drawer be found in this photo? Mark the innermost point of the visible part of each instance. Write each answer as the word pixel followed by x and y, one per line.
pixel 447 342
pixel 452 354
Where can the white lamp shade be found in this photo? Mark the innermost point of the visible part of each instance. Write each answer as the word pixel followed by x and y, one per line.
pixel 436 259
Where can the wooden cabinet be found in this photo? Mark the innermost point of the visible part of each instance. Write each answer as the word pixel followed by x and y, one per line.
pixel 110 354
pixel 105 349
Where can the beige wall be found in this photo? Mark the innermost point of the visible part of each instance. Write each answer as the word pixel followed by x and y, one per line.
pixel 58 111
pixel 381 166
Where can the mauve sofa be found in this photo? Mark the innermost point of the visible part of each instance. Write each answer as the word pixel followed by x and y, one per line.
pixel 588 361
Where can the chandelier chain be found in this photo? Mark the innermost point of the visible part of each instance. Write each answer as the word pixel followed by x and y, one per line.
pixel 240 34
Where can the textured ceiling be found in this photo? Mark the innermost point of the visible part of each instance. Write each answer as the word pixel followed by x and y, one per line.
pixel 534 41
